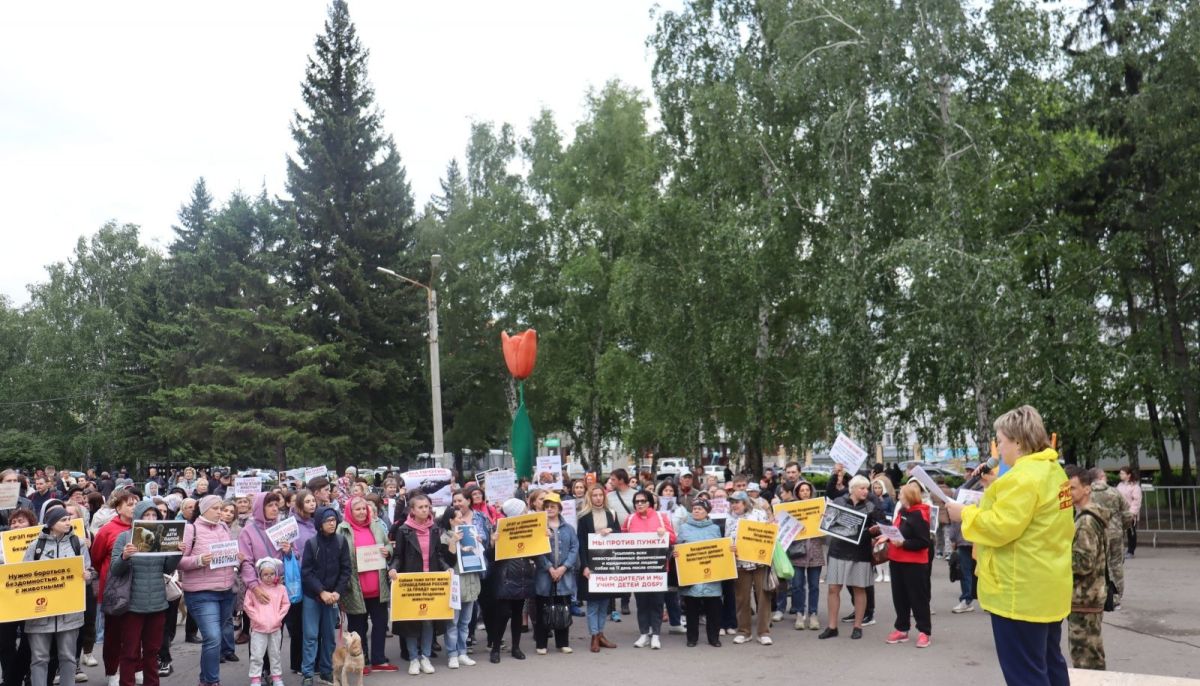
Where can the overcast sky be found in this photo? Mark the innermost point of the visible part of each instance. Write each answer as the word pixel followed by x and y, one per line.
pixel 112 110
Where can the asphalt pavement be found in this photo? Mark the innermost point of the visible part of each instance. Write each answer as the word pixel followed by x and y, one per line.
pixel 1157 632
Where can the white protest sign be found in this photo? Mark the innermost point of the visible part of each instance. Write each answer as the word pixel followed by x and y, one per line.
pixel 720 508
pixel 666 503
pixel 789 528
pixel 847 453
pixel 891 533
pixel 285 531
pixel 927 481
pixel 224 554
pixel 548 472
pixel 370 558
pixel 9 493
pixel 500 485
pixel 433 482
pixel 247 485
pixel 568 513
pixel 455 592
pixel 968 497
pixel 314 472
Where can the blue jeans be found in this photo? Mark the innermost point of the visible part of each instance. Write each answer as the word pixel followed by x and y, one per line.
pixel 597 614
pixel 458 629
pixel 423 646
pixel 319 621
pixel 806 590
pixel 674 612
pixel 966 565
pixel 211 610
pixel 1030 652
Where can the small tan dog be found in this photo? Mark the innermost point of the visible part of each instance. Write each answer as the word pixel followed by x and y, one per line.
pixel 348 660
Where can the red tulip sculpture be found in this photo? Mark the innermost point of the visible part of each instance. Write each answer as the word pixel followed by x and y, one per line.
pixel 520 354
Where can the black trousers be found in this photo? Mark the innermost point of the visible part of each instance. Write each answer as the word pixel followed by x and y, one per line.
pixel 87 634
pixel 1131 535
pixel 14 654
pixel 910 596
pixel 503 612
pixel 711 607
pixel 294 621
pixel 375 644
pixel 170 620
pixel 541 633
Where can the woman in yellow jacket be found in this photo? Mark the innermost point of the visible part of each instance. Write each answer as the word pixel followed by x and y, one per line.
pixel 1022 530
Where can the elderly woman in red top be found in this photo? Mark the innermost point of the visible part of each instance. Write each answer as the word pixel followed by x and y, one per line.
pixel 646 519
pixel 909 562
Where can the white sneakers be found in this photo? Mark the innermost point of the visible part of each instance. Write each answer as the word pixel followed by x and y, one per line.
pixel 540 651
pixel 137 678
pixel 567 650
pixel 777 616
pixel 642 641
pixel 654 642
pixel 740 639
pixel 466 661
pixel 426 666
pixel 89 660
pixel 765 640
pixel 814 624
pixel 414 667
pixel 677 629
pixel 453 662
pixel 114 680
pixel 963 606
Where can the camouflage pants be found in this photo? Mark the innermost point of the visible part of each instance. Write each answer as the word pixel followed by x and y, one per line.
pixel 1116 566
pixel 1087 646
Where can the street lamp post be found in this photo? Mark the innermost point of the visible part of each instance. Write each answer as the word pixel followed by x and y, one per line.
pixel 435 369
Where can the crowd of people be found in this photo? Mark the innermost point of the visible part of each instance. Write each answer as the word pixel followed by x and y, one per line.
pixel 310 588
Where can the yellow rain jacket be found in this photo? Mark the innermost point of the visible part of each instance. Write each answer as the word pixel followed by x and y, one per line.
pixel 1022 531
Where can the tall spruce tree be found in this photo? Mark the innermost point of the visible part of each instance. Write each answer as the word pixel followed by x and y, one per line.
pixel 353 212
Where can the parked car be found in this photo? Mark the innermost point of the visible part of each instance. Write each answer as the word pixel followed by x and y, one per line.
pixel 671 467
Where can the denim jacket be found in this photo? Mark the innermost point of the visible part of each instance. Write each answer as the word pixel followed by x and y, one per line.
pixel 564 551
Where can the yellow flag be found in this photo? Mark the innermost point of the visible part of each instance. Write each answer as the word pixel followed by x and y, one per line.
pixel 705 561
pixel 33 590
pixel 756 541
pixel 807 512
pixel 523 536
pixel 421 596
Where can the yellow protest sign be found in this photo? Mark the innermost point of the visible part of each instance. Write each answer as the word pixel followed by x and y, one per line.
pixel 523 536
pixel 17 540
pixel 705 561
pixel 807 512
pixel 33 590
pixel 756 541
pixel 77 527
pixel 421 596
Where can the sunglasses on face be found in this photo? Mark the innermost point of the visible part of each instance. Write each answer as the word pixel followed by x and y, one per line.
pixel 641 502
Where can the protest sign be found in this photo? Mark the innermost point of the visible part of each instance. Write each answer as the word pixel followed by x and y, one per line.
pixel 500 485
pixel 568 514
pixel 720 508
pixel 224 554
pixel 433 482
pixel 9 494
pixel 789 527
pixel 523 536
pixel 283 531
pixel 470 556
pixel 847 453
pixel 968 497
pixel 420 596
pixel 548 473
pixel 455 592
pixel 15 541
pixel 156 537
pixel 933 518
pixel 928 483
pixel 627 562
pixel 369 558
pixel 891 533
pixel 314 472
pixel 842 522
pixel 33 590
pixel 705 561
pixel 77 527
pixel 807 512
pixel 755 541
pixel 666 503
pixel 247 485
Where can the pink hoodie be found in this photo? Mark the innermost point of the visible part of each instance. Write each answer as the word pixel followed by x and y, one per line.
pixel 267 618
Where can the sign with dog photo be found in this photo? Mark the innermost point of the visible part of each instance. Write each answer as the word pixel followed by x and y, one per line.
pixel 420 596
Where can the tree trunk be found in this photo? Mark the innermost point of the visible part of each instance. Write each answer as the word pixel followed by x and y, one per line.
pixel 1159 446
pixel 1179 355
pixel 280 459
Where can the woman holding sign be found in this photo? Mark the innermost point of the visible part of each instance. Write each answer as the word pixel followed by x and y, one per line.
pixel 555 581
pixel 368 593
pixel 752 578
pixel 207 583
pixel 594 518
pixel 908 559
pixel 452 523
pixel 645 519
pixel 702 597
pixel 417 542
pixel 850 560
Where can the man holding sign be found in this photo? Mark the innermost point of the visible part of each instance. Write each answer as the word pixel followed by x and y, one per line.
pixel 751 535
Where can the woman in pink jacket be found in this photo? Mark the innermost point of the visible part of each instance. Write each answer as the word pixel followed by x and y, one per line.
pixel 646 519
pixel 207 583
pixel 1131 491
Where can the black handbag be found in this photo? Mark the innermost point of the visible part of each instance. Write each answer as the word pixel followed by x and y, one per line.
pixel 556 614
pixel 955 569
pixel 118 591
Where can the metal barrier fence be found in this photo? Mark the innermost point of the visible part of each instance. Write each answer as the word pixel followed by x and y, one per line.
pixel 1169 509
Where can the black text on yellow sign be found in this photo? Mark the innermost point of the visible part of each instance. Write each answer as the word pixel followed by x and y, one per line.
pixel 756 541
pixel 33 590
pixel 420 596
pixel 705 561
pixel 523 536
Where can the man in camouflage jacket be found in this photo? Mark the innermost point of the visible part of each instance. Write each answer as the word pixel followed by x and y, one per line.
pixel 1119 519
pixel 1089 555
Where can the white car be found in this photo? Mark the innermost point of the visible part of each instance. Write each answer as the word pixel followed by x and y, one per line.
pixel 671 467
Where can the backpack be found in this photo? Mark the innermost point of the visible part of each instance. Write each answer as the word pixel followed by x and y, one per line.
pixel 41 546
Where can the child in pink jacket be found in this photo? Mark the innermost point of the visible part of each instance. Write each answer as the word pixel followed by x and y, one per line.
pixel 266 620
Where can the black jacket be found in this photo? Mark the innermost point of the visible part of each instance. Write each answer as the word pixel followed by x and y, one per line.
pixel 844 550
pixel 510 579
pixel 325 565
pixel 584 528
pixel 408 558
